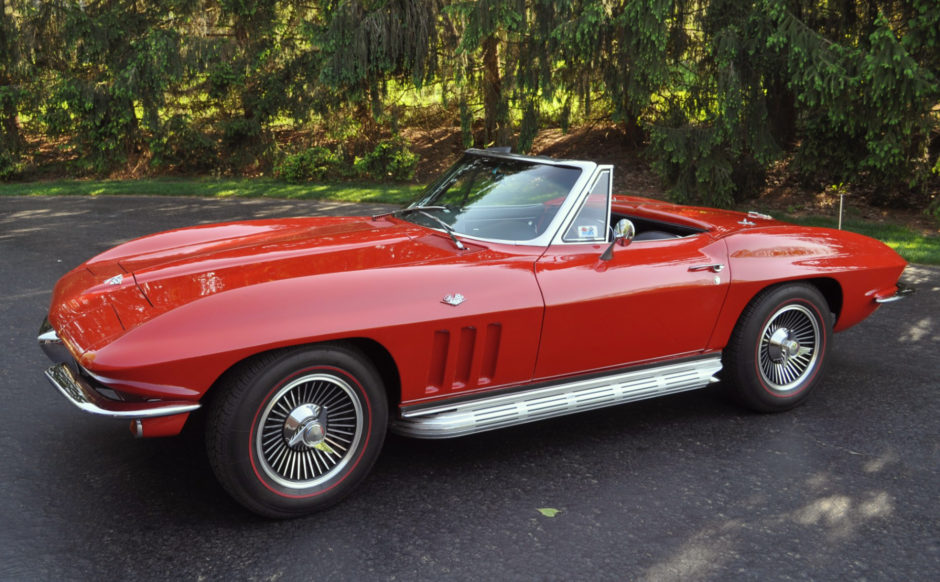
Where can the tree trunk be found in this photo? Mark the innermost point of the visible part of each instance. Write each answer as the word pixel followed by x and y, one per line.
pixel 781 110
pixel 492 89
pixel 635 134
pixel 10 125
pixel 9 121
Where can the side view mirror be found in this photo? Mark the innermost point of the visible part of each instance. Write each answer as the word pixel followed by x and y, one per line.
pixel 624 231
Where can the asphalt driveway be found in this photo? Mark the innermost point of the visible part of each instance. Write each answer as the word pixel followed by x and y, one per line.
pixel 687 487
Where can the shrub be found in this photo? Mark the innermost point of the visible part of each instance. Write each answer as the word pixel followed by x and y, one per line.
pixel 182 146
pixel 5 168
pixel 315 163
pixel 391 158
pixel 9 168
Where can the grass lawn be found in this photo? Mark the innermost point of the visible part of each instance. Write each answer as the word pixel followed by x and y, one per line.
pixel 911 245
pixel 218 188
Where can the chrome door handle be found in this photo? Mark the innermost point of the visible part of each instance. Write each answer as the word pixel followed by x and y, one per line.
pixel 716 268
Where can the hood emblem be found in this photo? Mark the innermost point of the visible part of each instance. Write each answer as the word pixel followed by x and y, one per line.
pixel 455 299
pixel 115 280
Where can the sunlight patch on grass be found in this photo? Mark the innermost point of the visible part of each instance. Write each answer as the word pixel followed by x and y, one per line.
pixel 219 188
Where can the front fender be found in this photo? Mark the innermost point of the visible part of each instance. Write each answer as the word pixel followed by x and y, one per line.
pixel 186 349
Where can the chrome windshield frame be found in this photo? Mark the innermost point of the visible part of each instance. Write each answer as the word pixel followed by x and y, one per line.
pixel 572 199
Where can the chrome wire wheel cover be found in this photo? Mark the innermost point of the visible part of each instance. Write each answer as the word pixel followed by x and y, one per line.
pixel 309 431
pixel 789 348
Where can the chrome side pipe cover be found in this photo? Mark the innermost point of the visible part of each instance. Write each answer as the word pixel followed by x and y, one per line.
pixel 502 410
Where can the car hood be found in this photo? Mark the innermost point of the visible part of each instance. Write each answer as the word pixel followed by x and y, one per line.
pixel 132 283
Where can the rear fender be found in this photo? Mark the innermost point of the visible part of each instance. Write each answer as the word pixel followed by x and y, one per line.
pixel 848 268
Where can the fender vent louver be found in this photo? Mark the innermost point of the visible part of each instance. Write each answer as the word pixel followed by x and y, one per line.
pixel 466 362
pixel 438 360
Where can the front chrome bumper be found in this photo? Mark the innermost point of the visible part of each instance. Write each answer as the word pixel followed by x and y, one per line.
pixel 80 392
pixel 902 292
pixel 51 345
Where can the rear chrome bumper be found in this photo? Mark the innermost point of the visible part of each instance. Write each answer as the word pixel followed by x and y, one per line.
pixel 80 391
pixel 902 292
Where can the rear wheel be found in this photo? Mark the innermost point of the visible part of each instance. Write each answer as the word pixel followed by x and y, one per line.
pixel 292 432
pixel 778 348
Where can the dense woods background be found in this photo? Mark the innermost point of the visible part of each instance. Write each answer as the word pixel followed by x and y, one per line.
pixel 715 93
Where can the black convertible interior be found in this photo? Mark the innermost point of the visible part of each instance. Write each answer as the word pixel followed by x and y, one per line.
pixel 652 229
pixel 527 221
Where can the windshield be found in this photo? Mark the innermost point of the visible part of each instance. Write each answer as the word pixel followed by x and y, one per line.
pixel 496 198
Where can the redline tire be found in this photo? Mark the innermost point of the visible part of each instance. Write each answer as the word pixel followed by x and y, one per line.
pixel 777 352
pixel 295 431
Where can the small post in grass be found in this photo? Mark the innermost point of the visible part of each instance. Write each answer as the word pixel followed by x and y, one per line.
pixel 841 197
pixel 840 190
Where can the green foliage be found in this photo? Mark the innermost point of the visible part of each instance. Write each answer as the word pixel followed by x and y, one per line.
pixel 13 71
pixel 180 146
pixel 96 117
pixel 695 163
pixel 107 69
pixel 370 42
pixel 9 166
pixel 711 138
pixel 867 94
pixel 466 124
pixel 643 30
pixel 312 164
pixel 391 159
pixel 854 91
pixel 529 127
pixel 719 89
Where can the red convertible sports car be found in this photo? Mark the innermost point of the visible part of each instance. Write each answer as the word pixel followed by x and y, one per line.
pixel 514 289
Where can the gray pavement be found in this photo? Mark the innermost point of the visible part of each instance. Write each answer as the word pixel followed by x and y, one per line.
pixel 687 487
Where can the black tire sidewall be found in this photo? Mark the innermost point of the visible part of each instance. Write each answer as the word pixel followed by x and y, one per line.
pixel 233 429
pixel 748 384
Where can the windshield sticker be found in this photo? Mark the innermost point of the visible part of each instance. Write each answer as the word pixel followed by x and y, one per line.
pixel 587 231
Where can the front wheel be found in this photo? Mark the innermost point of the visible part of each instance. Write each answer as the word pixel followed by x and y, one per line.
pixel 778 348
pixel 294 431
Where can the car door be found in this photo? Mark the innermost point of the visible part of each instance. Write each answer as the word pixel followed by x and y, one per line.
pixel 652 300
